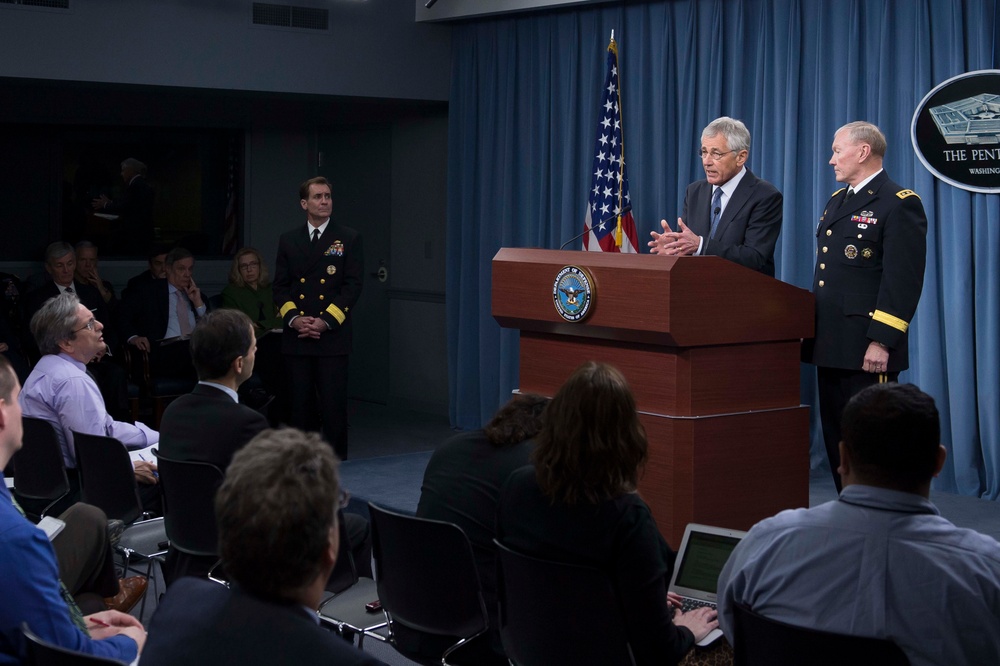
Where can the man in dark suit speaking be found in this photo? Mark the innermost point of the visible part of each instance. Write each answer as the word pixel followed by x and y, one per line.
pixel 317 280
pixel 731 214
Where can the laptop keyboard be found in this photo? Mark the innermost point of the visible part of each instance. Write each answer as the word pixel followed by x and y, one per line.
pixel 690 604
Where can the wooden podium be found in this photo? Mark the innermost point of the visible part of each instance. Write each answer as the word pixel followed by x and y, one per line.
pixel 711 351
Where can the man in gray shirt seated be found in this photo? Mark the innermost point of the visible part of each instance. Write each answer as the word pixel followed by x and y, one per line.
pixel 879 561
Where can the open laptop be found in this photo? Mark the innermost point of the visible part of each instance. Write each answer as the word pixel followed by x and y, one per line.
pixel 703 553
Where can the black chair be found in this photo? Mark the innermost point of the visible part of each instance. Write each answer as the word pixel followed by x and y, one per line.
pixel 189 489
pixel 43 653
pixel 107 480
pixel 762 641
pixel 427 582
pixel 39 470
pixel 343 609
pixel 558 613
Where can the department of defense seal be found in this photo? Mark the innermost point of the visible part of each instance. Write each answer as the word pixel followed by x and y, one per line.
pixel 572 293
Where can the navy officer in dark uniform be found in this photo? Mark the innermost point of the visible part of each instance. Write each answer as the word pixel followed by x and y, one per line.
pixel 871 250
pixel 317 281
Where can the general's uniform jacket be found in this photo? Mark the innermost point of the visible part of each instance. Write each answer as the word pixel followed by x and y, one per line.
pixel 869 273
pixel 322 280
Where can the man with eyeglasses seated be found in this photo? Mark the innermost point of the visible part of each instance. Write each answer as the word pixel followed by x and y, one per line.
pixel 61 263
pixel 60 390
pixel 731 214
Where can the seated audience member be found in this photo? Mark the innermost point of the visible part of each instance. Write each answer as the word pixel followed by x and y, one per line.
pixel 160 317
pixel 209 424
pixel 578 504
pixel 277 518
pixel 30 574
pixel 60 391
pixel 61 263
pixel 87 272
pixel 249 290
pixel 879 561
pixel 157 271
pixel 463 479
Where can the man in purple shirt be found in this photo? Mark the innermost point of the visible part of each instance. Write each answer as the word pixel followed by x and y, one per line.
pixel 60 391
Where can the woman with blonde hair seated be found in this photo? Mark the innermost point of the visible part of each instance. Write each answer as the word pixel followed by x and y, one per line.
pixel 249 290
pixel 578 504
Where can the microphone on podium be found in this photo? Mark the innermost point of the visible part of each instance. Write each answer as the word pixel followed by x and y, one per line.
pixel 624 210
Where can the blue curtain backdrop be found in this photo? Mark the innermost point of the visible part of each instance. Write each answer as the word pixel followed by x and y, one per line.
pixel 523 114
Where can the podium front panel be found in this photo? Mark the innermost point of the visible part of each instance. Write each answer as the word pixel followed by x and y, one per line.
pixel 695 381
pixel 730 471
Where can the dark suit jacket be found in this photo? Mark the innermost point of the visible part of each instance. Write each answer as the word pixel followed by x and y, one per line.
pixel 322 281
pixel 870 257
pixel 200 622
pixel 749 226
pixel 146 310
pixel 137 282
pixel 205 426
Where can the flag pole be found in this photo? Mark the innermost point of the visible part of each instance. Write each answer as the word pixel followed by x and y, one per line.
pixel 613 47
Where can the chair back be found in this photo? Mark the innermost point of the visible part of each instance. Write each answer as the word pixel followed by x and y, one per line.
pixel 43 653
pixel 558 613
pixel 107 479
pixel 345 573
pixel 759 640
pixel 39 471
pixel 426 575
pixel 189 490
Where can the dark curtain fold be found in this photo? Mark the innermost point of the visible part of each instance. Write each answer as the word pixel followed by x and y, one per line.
pixel 524 108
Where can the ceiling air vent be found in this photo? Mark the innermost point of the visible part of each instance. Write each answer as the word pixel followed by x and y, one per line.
pixel 48 4
pixel 286 16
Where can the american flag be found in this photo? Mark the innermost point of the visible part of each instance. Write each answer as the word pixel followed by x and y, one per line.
pixel 609 212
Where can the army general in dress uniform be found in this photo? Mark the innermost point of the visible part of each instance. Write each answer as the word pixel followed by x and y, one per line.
pixel 871 250
pixel 318 278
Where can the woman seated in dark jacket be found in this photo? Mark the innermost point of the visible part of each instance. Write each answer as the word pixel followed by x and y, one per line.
pixel 578 504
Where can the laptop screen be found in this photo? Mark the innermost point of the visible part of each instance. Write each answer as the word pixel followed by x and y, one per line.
pixel 703 559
